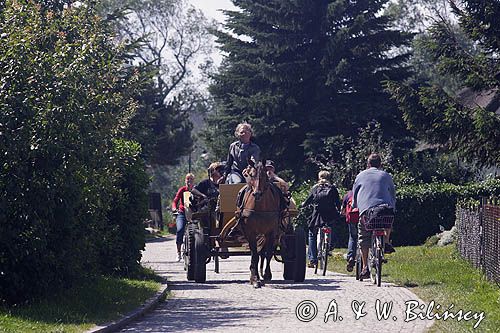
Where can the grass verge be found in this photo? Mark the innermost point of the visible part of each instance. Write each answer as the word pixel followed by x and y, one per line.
pixel 81 307
pixel 439 274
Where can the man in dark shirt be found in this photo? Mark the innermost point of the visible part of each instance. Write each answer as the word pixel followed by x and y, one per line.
pixel 273 177
pixel 209 187
pixel 326 206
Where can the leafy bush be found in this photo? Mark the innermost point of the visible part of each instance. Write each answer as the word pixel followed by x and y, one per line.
pixel 122 238
pixel 299 196
pixel 422 208
pixel 64 97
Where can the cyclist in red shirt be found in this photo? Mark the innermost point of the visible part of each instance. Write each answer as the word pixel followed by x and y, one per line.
pixel 178 207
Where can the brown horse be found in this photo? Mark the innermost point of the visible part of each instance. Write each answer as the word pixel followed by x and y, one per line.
pixel 259 212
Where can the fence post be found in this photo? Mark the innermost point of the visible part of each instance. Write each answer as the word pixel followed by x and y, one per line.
pixel 481 236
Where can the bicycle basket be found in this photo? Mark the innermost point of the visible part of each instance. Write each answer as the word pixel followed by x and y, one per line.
pixel 379 222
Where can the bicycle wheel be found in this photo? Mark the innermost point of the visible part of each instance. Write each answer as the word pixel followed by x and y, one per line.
pixel 376 250
pixel 358 263
pixel 379 266
pixel 319 248
pixel 372 260
pixel 324 247
pixel 380 258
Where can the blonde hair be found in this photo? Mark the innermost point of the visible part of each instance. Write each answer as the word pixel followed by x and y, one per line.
pixel 189 175
pixel 213 167
pixel 242 125
pixel 323 176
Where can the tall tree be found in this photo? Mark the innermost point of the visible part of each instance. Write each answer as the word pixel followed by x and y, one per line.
pixel 175 46
pixel 417 16
pixel 468 123
pixel 304 70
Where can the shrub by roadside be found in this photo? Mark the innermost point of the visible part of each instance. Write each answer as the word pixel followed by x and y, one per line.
pixel 71 191
pixel 422 208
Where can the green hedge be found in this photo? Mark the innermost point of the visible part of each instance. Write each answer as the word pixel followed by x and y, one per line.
pixel 421 209
pixel 121 236
pixel 71 193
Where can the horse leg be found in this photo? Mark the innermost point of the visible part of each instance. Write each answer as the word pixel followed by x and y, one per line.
pixel 262 259
pixel 269 250
pixel 254 274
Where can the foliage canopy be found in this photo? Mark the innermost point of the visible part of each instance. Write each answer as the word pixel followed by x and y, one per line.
pixel 466 125
pixel 302 71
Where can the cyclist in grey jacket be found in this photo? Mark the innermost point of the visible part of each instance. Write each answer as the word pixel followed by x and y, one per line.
pixel 374 193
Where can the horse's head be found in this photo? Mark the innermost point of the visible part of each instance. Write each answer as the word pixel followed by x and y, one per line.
pixel 256 177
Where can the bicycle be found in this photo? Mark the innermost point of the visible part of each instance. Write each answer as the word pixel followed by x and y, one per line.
pixel 377 226
pixel 324 241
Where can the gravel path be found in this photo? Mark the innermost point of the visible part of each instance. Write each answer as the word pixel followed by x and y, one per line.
pixel 228 303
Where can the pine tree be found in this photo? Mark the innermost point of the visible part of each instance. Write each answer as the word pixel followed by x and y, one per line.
pixel 304 70
pixel 461 124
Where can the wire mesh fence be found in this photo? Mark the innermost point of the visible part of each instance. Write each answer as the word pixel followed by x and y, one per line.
pixel 491 235
pixel 479 236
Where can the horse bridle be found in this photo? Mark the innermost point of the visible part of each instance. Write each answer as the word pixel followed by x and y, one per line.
pixel 253 175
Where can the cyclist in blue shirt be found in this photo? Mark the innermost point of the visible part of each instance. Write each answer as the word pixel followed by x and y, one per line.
pixel 374 195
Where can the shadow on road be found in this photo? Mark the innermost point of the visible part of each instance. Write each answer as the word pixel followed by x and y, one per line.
pixel 202 314
pixel 313 284
pixel 191 286
pixel 159 239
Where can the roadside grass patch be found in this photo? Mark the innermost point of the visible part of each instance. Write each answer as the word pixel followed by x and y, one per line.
pixel 439 274
pixel 81 307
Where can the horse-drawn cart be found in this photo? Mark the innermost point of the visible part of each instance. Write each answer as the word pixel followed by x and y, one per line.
pixel 202 242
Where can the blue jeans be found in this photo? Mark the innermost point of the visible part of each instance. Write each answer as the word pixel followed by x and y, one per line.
pixel 353 240
pixel 234 178
pixel 312 251
pixel 180 222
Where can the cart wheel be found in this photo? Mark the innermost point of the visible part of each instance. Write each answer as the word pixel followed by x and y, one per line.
pixel 300 255
pixel 289 263
pixel 288 270
pixel 189 252
pixel 287 249
pixel 200 257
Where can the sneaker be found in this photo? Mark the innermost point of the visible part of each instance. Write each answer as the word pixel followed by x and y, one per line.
pixel 350 264
pixel 179 257
pixel 311 264
pixel 365 274
pixel 388 248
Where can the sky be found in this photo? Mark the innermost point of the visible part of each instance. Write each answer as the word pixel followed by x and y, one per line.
pixel 211 8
